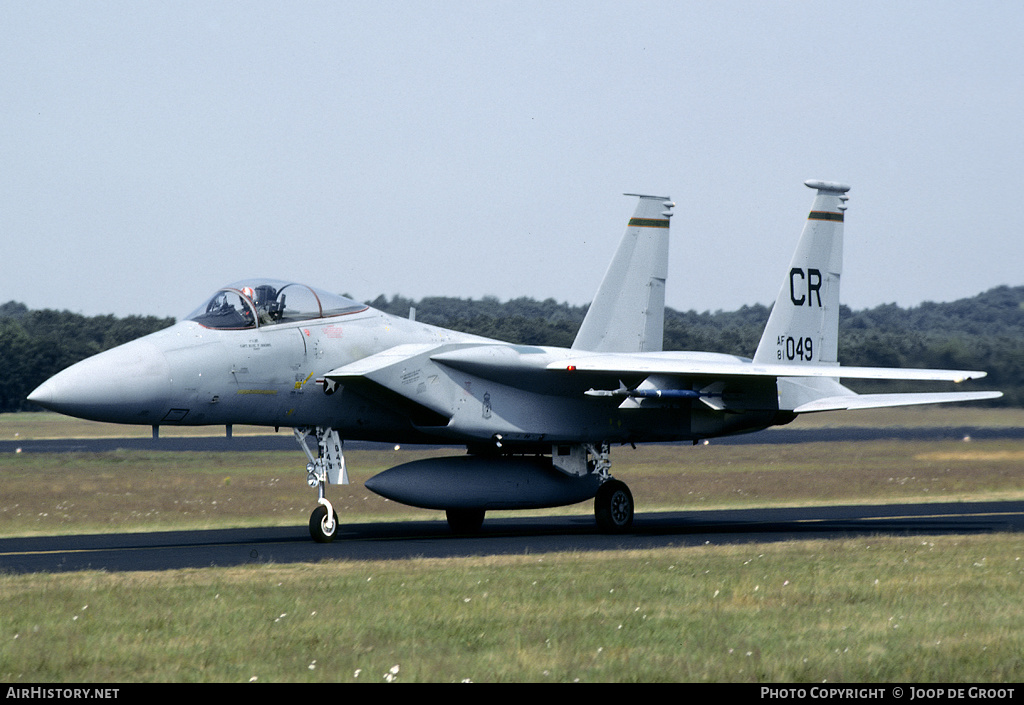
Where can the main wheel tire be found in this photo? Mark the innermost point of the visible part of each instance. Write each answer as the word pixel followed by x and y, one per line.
pixel 318 525
pixel 465 522
pixel 613 507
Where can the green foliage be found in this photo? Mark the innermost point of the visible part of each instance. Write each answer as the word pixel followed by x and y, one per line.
pixel 985 332
pixel 37 344
pixel 523 320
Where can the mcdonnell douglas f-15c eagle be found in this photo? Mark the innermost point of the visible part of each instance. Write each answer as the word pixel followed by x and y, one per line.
pixel 537 422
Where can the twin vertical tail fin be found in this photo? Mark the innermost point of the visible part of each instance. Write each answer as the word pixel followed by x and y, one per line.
pixel 628 312
pixel 803 327
pixel 799 348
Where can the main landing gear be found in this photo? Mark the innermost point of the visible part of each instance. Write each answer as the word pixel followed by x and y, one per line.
pixel 613 511
pixel 613 507
pixel 613 504
pixel 327 467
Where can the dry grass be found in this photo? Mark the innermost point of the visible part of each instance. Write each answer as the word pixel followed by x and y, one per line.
pixel 34 426
pixel 143 490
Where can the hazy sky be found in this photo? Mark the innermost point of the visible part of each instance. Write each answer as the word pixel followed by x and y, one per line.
pixel 152 151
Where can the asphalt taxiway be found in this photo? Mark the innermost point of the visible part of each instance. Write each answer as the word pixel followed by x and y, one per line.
pixel 401 540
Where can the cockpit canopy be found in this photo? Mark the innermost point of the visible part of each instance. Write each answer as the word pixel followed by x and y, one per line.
pixel 262 302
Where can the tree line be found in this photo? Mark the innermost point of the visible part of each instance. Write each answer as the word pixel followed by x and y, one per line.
pixel 35 345
pixel 985 332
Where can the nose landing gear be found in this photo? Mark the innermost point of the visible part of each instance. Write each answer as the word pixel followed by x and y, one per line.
pixel 323 523
pixel 327 467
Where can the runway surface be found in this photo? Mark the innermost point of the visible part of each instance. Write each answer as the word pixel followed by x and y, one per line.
pixel 514 536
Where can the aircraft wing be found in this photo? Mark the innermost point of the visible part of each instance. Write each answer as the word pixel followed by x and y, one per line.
pixel 410 379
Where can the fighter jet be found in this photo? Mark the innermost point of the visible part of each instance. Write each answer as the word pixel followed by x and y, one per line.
pixel 537 422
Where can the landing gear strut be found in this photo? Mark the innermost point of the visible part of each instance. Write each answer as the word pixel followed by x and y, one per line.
pixel 328 467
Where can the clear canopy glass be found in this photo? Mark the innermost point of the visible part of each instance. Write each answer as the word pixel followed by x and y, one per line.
pixel 263 302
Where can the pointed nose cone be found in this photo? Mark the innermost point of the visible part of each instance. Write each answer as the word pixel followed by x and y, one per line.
pixel 129 384
pixel 42 394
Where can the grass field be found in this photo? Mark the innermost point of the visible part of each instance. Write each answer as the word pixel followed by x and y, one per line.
pixel 878 609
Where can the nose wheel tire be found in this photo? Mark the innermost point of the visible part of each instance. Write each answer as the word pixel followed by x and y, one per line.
pixel 318 528
pixel 613 507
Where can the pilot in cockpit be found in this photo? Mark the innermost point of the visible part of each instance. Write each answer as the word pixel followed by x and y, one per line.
pixel 264 298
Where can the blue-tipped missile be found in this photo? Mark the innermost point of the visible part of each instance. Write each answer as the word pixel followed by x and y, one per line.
pixel 645 393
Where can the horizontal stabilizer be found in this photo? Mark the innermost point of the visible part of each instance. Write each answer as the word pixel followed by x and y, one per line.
pixel 878 401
